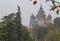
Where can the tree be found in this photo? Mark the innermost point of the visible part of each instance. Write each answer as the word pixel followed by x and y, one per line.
pixel 57 21
pixel 52 35
pixel 6 27
pixel 11 28
pixel 51 26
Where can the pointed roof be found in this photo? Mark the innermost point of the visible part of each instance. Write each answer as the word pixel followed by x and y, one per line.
pixel 41 10
pixel 41 7
pixel 49 16
pixel 32 16
pixel 41 13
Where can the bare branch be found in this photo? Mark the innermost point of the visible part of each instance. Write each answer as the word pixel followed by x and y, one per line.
pixel 57 2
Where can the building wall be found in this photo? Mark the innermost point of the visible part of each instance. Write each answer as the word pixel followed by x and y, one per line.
pixel 38 21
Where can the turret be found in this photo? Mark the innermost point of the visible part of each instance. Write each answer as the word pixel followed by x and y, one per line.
pixel 41 13
pixel 49 19
pixel 32 17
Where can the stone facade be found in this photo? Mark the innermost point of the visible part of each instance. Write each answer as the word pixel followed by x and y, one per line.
pixel 40 19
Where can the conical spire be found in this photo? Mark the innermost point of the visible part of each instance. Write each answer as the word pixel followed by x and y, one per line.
pixel 41 9
pixel 49 16
pixel 32 16
pixel 41 6
pixel 41 13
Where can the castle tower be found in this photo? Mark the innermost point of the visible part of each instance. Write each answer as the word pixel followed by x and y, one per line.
pixel 40 16
pixel 49 19
pixel 41 13
pixel 32 17
pixel 39 21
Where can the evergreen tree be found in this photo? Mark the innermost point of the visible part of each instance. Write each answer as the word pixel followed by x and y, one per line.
pixel 11 28
pixel 57 21
pixel 18 23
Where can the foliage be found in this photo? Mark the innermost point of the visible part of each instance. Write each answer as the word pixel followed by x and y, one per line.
pixel 11 28
pixel 51 26
pixel 57 21
pixel 52 35
pixel 41 32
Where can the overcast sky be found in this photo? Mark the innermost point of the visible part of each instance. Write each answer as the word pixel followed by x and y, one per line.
pixel 27 8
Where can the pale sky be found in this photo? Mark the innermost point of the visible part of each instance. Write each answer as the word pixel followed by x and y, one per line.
pixel 27 8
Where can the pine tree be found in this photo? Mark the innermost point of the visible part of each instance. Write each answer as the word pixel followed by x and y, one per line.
pixel 18 23
pixel 11 28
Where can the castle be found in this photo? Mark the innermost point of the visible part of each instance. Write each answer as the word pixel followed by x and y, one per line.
pixel 40 19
